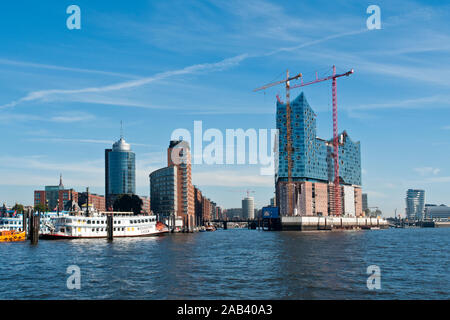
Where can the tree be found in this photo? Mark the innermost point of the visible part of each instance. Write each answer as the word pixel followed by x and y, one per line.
pixel 18 208
pixel 127 203
pixel 41 207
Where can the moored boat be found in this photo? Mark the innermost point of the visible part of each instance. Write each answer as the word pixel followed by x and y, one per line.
pixel 10 236
pixel 15 222
pixel 125 224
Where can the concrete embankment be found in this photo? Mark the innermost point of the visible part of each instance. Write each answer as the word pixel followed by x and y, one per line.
pixel 331 223
pixel 442 224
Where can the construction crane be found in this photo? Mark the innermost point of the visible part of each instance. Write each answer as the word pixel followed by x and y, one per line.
pixel 248 191
pixel 288 132
pixel 333 77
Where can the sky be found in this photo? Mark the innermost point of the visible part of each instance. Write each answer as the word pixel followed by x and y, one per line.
pixel 159 66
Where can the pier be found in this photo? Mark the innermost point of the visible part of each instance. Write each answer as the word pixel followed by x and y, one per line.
pixel 305 223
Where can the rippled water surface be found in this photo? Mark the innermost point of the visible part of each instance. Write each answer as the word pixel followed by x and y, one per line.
pixel 234 264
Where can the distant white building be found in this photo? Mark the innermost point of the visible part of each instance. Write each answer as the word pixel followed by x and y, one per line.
pixel 248 208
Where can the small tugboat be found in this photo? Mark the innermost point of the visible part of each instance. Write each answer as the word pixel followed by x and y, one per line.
pixel 10 236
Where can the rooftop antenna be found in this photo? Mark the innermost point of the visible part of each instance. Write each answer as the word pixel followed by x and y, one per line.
pixel 121 130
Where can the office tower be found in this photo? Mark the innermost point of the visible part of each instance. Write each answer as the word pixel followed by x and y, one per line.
pixel 248 208
pixel 415 204
pixel 120 171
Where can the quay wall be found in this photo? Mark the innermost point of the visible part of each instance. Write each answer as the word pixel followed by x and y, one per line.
pixel 303 223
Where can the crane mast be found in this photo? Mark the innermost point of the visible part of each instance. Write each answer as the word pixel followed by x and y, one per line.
pixel 288 132
pixel 289 149
pixel 289 146
pixel 336 182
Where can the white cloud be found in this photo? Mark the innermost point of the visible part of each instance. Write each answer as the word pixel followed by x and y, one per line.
pixel 424 171
pixel 375 194
pixel 62 68
pixel 230 178
pixel 197 68
pixel 72 117
pixel 68 117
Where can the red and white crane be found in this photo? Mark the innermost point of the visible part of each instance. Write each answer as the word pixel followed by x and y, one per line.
pixel 333 77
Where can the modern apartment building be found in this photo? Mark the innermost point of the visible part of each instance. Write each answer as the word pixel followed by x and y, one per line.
pixel 415 204
pixel 171 189
pixel 164 191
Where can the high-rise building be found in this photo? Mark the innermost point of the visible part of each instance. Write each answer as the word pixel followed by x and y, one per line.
pixel 248 208
pixel 164 192
pixel 313 166
pixel 171 189
pixel 179 156
pixel 120 171
pixel 415 204
pixel 365 204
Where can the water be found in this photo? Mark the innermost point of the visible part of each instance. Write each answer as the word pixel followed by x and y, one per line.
pixel 234 264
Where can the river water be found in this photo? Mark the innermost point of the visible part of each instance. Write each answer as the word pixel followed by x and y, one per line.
pixel 233 264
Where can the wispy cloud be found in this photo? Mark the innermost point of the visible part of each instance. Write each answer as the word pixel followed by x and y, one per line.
pixel 42 163
pixel 66 117
pixel 230 178
pixel 72 117
pixel 82 95
pixel 436 101
pixel 55 93
pixel 426 171
pixel 93 141
pixel 62 68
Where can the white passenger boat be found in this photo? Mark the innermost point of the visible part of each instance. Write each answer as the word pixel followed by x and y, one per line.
pixel 125 224
pixel 15 222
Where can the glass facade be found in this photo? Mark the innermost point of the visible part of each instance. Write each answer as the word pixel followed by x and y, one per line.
pixel 51 196
pixel 415 204
pixel 163 191
pixel 312 156
pixel 120 167
pixel 349 161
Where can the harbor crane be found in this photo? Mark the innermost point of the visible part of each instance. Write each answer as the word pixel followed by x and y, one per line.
pixel 333 77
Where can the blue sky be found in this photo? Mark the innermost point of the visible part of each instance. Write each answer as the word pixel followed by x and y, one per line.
pixel 161 65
